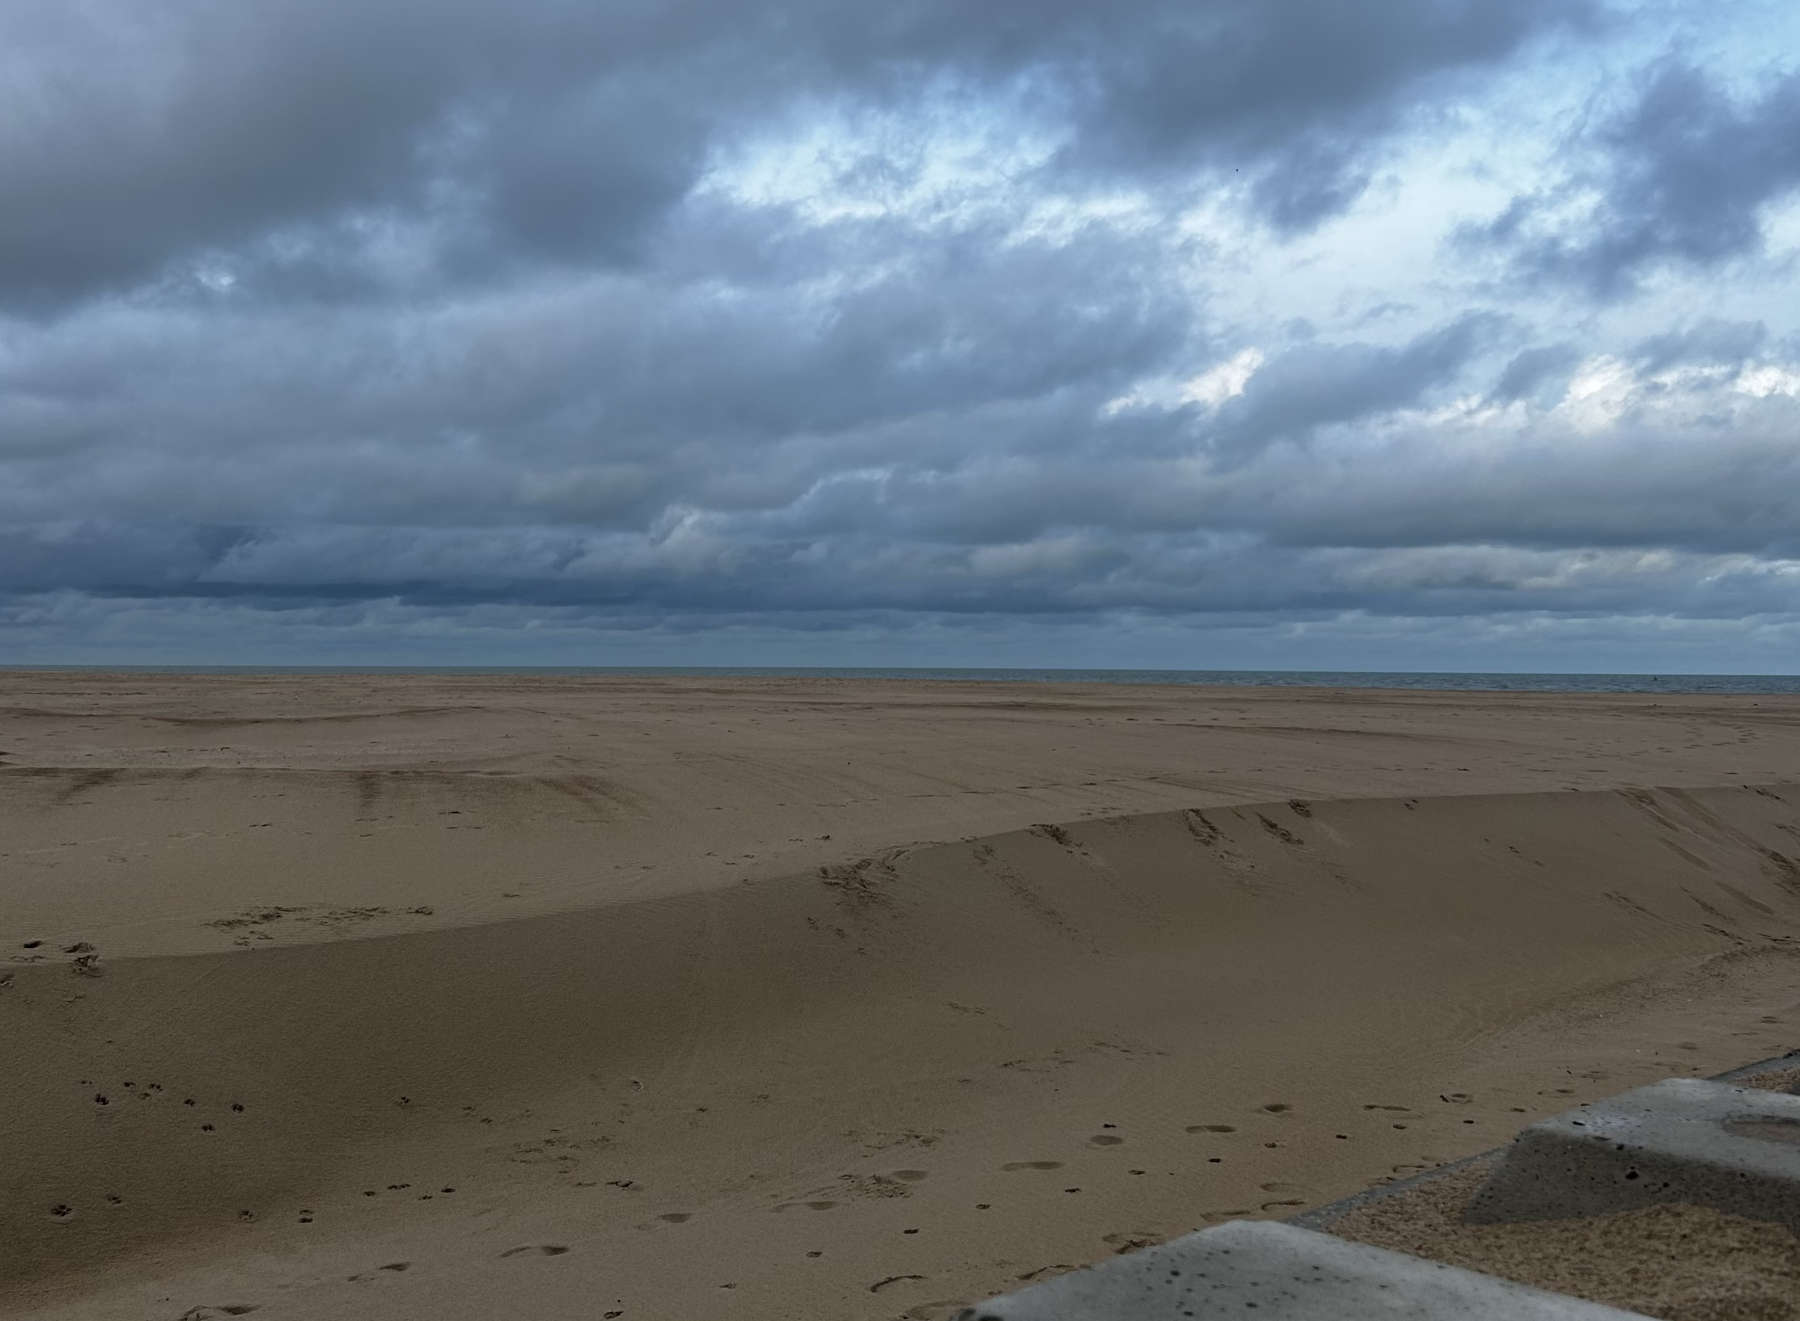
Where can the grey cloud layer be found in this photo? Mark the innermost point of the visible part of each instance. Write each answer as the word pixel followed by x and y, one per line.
pixel 311 306
pixel 1684 174
pixel 141 135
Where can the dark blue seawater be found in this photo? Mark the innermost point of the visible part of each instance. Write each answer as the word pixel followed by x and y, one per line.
pixel 1448 680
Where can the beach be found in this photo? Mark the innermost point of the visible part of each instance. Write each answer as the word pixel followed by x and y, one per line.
pixel 469 996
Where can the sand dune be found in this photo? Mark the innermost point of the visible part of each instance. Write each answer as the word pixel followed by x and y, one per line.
pixel 139 809
pixel 875 1084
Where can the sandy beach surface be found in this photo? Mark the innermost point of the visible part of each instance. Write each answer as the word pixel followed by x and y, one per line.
pixel 502 996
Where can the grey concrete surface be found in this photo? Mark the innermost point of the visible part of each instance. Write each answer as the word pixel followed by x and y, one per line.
pixel 1278 1272
pixel 1682 1140
pixel 1323 1217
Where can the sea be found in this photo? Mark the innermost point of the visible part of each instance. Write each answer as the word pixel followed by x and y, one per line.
pixel 1451 680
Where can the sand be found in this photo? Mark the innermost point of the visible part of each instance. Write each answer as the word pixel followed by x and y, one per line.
pixel 472 997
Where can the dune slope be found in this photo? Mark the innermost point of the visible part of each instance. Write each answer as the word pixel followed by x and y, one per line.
pixel 876 1088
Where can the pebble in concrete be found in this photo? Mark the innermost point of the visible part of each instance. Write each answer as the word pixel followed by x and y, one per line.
pixel 1278 1272
pixel 1734 1149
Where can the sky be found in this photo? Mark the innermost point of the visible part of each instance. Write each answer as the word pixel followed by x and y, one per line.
pixel 1422 335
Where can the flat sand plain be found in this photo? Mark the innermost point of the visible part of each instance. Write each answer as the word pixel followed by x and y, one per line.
pixel 475 997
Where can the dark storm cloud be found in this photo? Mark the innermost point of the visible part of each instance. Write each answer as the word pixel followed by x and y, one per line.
pixel 601 401
pixel 1293 92
pixel 436 310
pixel 1533 370
pixel 1687 170
pixel 1711 343
pixel 563 131
pixel 1318 385
pixel 142 132
pixel 1638 489
pixel 1017 494
pixel 1414 525
pixel 1642 486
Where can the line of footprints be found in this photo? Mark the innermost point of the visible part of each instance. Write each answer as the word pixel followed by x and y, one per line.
pixel 900 1183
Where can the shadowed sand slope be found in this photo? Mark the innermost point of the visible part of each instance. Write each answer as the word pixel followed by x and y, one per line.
pixel 173 814
pixel 880 1087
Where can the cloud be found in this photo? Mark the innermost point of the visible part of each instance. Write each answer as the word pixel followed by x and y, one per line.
pixel 1297 93
pixel 1542 367
pixel 556 132
pixel 1317 385
pixel 1709 343
pixel 782 318
pixel 1424 508
pixel 1684 176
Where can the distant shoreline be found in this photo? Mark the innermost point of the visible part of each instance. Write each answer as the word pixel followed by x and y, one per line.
pixel 1438 681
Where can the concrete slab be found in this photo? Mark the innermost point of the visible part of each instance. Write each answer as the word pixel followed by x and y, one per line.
pixel 1684 1140
pixel 1785 1069
pixel 1281 1273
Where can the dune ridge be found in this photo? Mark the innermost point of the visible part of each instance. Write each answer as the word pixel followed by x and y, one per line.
pixel 881 1086
pixel 160 813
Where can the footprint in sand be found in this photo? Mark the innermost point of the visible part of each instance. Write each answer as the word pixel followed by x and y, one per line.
pixel 392 1267
pixel 541 1249
pixel 1104 1140
pixel 912 1176
pixel 1131 1241
pixel 1011 1166
pixel 1211 1128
